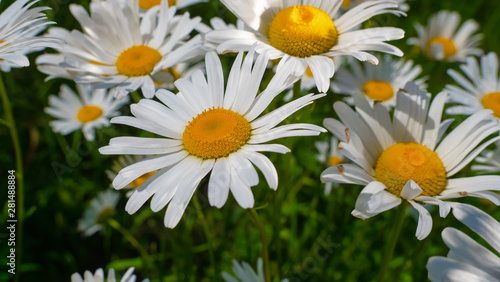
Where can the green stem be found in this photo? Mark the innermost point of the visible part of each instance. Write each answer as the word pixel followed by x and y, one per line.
pixel 208 236
pixel 398 224
pixel 296 89
pixel 11 124
pixel 131 239
pixel 263 239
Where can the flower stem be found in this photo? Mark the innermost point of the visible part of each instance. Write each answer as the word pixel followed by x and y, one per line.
pixel 391 245
pixel 131 239
pixel 263 239
pixel 11 124
pixel 208 236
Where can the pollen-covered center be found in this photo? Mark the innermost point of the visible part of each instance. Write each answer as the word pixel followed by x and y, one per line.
pixel 89 113
pixel 378 90
pixel 492 101
pixel 333 161
pixel 302 31
pixel 148 4
pixel 141 179
pixel 404 161
pixel 449 48
pixel 137 60
pixel 216 133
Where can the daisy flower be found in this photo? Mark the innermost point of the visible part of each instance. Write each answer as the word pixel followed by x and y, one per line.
pixel 479 90
pixel 89 110
pixel 245 273
pixel 489 161
pixel 98 276
pixel 124 161
pixel 467 259
pixel 329 155
pixel 379 83
pixel 121 50
pixel 305 32
pixel 404 160
pixel 101 207
pixel 204 129
pixel 19 25
pixel 166 77
pixel 441 40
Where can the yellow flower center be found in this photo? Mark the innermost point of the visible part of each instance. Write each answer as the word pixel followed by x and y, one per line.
pixel 89 113
pixel 216 133
pixel 378 90
pixel 148 4
pixel 492 101
pixel 104 214
pixel 302 31
pixel 404 161
pixel 137 60
pixel 448 45
pixel 141 179
pixel 332 161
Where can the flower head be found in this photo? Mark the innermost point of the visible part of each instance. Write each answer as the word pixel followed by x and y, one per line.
pixel 480 89
pixel 119 49
pixel 379 83
pixel 467 259
pixel 403 159
pixel 101 207
pixel 19 25
pixel 441 40
pixel 88 110
pixel 98 276
pixel 306 32
pixel 206 128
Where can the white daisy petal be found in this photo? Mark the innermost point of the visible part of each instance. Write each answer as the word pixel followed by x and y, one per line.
pixel 424 226
pixel 218 186
pixel 445 269
pixel 474 254
pixel 382 200
pixel 480 222
pixel 346 173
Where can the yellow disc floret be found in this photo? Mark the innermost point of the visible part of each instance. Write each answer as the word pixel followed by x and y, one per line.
pixel 404 161
pixel 378 90
pixel 141 179
pixel 216 133
pixel 137 60
pixel 333 161
pixel 148 4
pixel 89 113
pixel 492 101
pixel 302 31
pixel 449 48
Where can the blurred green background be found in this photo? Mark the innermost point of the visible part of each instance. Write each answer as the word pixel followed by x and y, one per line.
pixel 312 236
